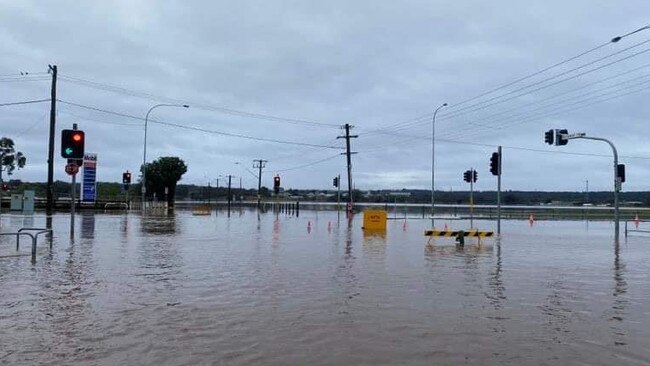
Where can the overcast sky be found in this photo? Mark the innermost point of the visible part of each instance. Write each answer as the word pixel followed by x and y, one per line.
pixel 294 71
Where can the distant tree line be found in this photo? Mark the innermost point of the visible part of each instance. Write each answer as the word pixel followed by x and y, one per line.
pixel 113 191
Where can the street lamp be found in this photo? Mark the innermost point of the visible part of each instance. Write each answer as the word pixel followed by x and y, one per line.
pixel 433 158
pixel 144 155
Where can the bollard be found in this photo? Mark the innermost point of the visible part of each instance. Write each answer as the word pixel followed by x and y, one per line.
pixel 297 208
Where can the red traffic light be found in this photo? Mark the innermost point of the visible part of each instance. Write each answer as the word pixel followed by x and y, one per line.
pixel 5 187
pixel 72 144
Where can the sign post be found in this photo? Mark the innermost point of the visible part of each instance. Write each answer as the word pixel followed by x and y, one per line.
pixel 72 169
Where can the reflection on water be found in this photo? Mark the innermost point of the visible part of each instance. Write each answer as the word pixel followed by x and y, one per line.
pixel 87 225
pixel 258 288
pixel 159 225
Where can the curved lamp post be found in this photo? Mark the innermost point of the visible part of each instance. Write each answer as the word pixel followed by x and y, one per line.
pixel 433 158
pixel 144 155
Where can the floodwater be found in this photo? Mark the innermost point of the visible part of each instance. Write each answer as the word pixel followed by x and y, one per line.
pixel 309 290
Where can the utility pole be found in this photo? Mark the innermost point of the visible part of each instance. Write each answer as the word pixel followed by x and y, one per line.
pixel 348 154
pixel 260 165
pixel 50 152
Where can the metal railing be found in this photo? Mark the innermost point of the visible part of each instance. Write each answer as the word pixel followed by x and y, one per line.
pixel 33 233
pixel 636 227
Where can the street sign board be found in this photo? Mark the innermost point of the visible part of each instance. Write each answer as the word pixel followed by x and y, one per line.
pixel 89 184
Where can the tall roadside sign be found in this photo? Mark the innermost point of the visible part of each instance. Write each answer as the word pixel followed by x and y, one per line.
pixel 89 185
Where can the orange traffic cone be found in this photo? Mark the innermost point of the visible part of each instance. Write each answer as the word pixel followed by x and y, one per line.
pixel 637 221
pixel 404 225
pixel 531 220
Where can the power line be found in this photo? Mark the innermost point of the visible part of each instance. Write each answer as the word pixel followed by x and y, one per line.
pixel 544 109
pixel 309 164
pixel 199 129
pixel 195 105
pixel 428 139
pixel 25 102
pixel 573 107
pixel 480 106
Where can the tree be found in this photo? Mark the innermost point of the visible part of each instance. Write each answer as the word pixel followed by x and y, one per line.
pixel 10 159
pixel 163 173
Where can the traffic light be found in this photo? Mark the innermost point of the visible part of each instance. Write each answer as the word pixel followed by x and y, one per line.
pixel 276 184
pixel 72 144
pixel 495 167
pixel 620 172
pixel 474 176
pixel 126 177
pixel 467 176
pixel 5 187
pixel 559 139
pixel 548 136
pixel 335 181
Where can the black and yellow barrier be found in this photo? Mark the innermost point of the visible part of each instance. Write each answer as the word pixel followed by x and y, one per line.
pixel 457 233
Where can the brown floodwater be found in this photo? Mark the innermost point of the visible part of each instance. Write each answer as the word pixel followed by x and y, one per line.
pixel 313 290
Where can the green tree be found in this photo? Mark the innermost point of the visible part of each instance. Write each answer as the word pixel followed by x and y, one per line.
pixel 10 159
pixel 163 173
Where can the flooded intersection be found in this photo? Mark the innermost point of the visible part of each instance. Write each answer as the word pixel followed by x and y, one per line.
pixel 277 289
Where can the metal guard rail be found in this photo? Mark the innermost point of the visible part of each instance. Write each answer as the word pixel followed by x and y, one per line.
pixel 25 232
pixel 635 230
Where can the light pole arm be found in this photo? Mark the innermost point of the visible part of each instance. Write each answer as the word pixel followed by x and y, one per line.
pixel 617 183
pixel 144 154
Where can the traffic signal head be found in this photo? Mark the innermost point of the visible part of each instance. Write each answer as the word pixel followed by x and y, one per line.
pixel 549 136
pixel 620 172
pixel 467 176
pixel 495 169
pixel 72 144
pixel 5 187
pixel 126 178
pixel 335 181
pixel 276 184
pixel 559 137
pixel 474 176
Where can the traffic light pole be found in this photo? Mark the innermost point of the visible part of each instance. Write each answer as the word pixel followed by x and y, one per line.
pixel 499 193
pixel 471 199
pixel 73 197
pixel 338 193
pixel 617 180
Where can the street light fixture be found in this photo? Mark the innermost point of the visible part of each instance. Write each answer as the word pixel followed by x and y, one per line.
pixel 618 38
pixel 433 159
pixel 144 155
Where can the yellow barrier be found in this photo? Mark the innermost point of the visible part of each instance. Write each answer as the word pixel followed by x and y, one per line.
pixel 374 220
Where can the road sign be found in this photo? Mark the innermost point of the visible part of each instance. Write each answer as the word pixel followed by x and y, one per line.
pixel 72 169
